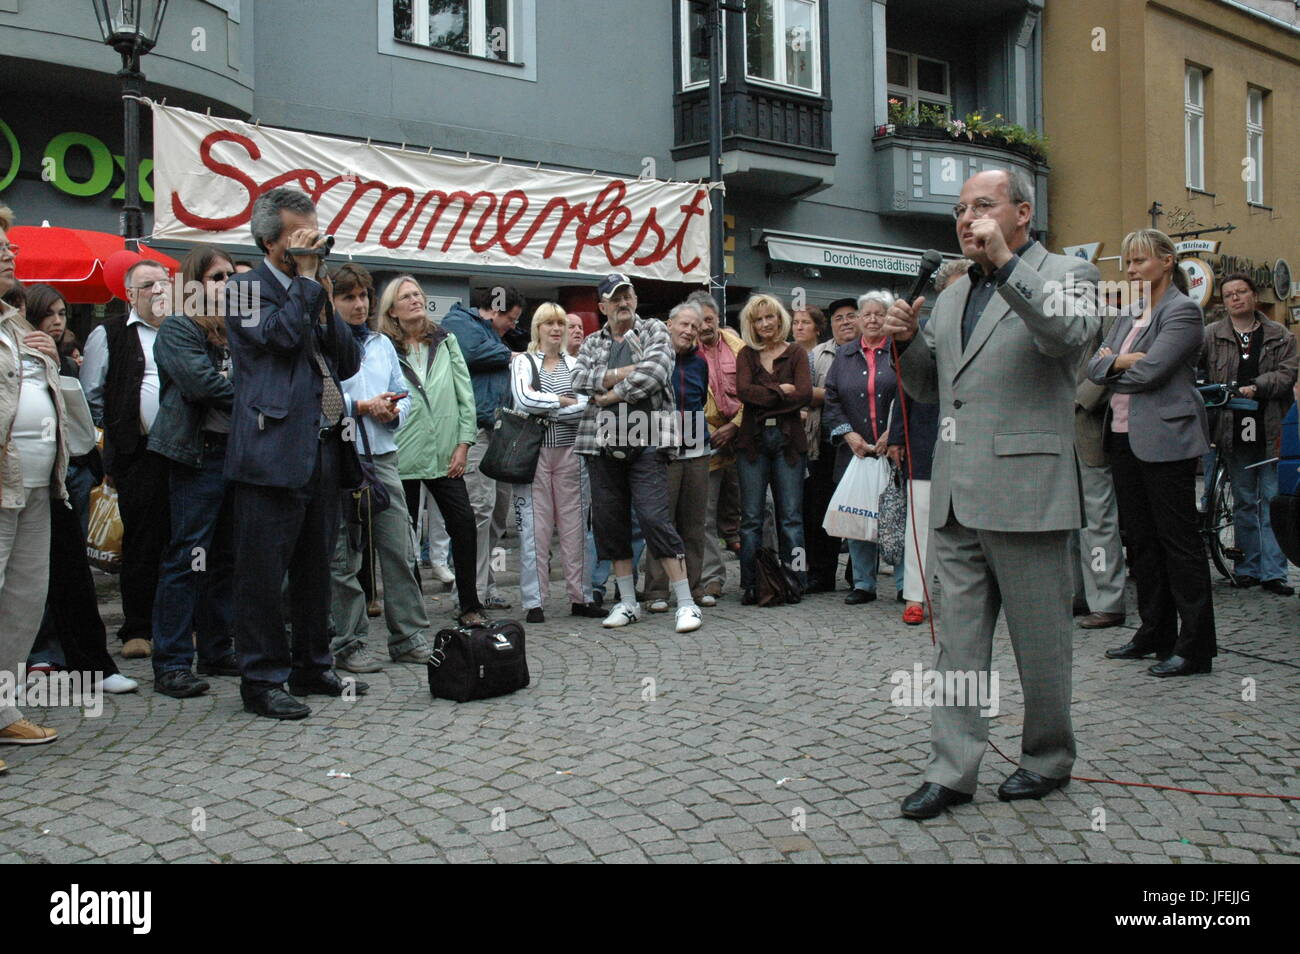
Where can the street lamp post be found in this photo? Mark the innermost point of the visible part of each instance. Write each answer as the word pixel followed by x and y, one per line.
pixel 131 27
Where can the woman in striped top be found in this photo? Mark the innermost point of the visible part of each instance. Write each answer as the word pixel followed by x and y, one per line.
pixel 541 385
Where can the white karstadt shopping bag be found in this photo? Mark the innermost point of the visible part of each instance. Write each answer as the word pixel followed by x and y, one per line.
pixel 854 511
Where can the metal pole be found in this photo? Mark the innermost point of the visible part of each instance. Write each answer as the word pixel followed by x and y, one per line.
pixel 717 230
pixel 132 89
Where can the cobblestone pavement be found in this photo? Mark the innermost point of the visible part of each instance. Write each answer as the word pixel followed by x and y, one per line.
pixel 768 735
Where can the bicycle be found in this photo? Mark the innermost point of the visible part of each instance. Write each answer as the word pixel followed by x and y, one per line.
pixel 1217 512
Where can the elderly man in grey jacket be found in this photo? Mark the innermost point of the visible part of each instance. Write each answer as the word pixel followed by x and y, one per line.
pixel 1000 355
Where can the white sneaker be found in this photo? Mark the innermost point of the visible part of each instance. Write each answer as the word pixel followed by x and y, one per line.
pixel 708 599
pixel 118 683
pixel 689 619
pixel 442 573
pixel 621 615
pixel 658 606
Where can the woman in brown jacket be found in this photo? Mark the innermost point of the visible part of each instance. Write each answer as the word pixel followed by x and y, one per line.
pixel 774 383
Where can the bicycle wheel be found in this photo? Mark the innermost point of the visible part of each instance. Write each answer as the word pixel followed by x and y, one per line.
pixel 1220 537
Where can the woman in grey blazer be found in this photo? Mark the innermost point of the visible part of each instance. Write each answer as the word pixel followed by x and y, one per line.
pixel 1155 432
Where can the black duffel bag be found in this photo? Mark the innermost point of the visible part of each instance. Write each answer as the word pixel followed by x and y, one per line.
pixel 478 662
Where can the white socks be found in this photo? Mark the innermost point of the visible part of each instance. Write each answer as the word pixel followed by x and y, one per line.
pixel 682 593
pixel 627 592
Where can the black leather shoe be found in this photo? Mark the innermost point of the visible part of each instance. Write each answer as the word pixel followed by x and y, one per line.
pixel 1279 587
pixel 273 704
pixel 930 800
pixel 1132 650
pixel 1023 783
pixel 819 586
pixel 748 598
pixel 535 615
pixel 589 610
pixel 227 665
pixel 1178 666
pixel 857 596
pixel 1245 582
pixel 179 684
pixel 327 683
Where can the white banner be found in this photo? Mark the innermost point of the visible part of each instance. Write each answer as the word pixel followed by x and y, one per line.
pixel 391 203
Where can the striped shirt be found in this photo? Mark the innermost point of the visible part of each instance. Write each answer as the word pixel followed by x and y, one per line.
pixel 545 400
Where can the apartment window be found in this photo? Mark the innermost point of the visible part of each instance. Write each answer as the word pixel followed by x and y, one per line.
pixel 1194 126
pixel 783 43
pixel 695 46
pixel 476 27
pixel 1255 146
pixel 919 82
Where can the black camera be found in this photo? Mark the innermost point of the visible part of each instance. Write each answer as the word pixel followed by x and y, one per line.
pixel 321 251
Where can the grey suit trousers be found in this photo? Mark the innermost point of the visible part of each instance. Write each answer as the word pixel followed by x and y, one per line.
pixel 1097 550
pixel 977 569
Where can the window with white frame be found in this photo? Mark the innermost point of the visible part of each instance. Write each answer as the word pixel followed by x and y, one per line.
pixel 1194 126
pixel 920 83
pixel 783 43
pixel 476 27
pixel 695 50
pixel 1255 146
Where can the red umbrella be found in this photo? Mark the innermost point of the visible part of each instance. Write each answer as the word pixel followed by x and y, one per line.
pixel 76 261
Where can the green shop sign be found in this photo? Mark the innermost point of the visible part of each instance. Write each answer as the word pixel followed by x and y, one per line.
pixel 54 169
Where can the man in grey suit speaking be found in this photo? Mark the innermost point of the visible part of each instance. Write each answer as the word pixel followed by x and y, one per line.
pixel 999 355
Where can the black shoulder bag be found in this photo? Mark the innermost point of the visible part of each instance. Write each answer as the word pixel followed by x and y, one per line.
pixel 516 442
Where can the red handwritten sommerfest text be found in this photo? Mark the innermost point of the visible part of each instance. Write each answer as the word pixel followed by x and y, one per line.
pixel 501 220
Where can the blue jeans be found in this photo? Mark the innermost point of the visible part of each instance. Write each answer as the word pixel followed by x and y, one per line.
pixel 194 594
pixel 600 569
pixel 866 563
pixel 770 467
pixel 1252 490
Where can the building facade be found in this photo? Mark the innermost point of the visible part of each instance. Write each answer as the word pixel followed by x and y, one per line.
pixel 839 170
pixel 1181 114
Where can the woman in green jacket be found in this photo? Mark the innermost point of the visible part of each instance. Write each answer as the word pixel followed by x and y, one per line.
pixel 433 442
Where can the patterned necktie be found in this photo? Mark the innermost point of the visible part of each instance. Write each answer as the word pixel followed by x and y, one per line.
pixel 331 399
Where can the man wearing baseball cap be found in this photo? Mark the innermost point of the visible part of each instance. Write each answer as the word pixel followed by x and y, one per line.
pixel 629 432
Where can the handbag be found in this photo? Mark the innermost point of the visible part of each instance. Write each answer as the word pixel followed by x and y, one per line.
pixel 891 529
pixel 79 427
pixel 516 442
pixel 777 583
pixel 478 662
pixel 364 494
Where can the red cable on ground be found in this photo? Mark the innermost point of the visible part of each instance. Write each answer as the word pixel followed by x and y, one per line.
pixel 929 612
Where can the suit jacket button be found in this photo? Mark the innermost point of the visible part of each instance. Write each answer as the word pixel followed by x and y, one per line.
pixel 957 405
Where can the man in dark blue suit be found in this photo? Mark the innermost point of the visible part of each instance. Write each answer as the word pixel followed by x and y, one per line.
pixel 289 351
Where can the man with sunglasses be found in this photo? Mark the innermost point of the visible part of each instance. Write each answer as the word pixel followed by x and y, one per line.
pixel 120 378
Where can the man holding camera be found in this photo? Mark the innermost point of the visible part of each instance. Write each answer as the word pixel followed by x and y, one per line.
pixel 289 349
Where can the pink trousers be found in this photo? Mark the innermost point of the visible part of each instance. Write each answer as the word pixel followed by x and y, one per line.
pixel 557 508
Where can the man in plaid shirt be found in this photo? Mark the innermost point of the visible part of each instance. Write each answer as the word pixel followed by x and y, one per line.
pixel 627 435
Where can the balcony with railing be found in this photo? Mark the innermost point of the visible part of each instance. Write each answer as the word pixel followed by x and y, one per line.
pixel 776 122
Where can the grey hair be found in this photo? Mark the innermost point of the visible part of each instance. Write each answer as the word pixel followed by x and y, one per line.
pixel 688 305
pixel 265 223
pixel 701 300
pixel 1020 188
pixel 950 270
pixel 880 297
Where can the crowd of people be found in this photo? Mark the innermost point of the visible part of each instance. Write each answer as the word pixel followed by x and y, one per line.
pixel 241 426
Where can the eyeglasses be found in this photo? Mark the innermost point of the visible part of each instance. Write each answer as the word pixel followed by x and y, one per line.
pixel 1237 294
pixel 220 276
pixel 981 208
pixel 8 249
pixel 150 286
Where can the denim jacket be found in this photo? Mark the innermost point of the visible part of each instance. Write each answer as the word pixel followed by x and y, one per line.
pixel 189 383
